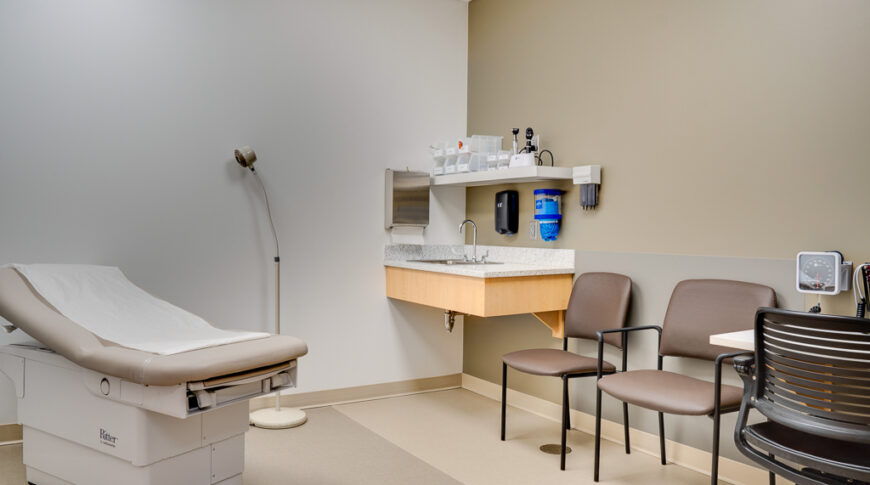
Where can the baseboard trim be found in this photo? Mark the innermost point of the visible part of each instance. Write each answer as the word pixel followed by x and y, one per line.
pixel 360 393
pixel 686 456
pixel 10 434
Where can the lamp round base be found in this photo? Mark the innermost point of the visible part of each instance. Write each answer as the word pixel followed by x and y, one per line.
pixel 271 418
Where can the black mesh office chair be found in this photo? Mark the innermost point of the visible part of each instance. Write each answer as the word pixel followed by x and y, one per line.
pixel 810 377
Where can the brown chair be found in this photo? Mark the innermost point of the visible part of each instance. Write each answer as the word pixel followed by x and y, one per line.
pixel 599 301
pixel 698 309
pixel 810 377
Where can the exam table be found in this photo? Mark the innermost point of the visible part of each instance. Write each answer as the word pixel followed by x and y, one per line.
pixel 97 412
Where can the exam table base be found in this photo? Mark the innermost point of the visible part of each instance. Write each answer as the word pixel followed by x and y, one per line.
pixel 45 454
pixel 75 435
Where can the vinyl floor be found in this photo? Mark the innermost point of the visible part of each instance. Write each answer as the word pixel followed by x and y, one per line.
pixel 445 437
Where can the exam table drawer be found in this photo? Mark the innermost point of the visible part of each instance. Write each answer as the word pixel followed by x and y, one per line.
pixel 227 458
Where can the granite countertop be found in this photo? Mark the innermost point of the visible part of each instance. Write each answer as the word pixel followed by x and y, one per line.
pixel 515 261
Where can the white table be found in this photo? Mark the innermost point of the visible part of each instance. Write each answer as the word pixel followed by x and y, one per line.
pixel 744 339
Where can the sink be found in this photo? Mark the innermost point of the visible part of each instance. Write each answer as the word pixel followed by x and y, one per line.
pixel 450 261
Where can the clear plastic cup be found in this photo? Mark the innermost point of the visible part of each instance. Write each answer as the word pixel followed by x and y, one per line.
pixel 437 151
pixel 477 162
pixel 504 159
pixel 450 156
pixel 463 155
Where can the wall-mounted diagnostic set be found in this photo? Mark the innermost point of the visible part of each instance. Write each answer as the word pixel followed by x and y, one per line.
pixel 531 154
pixel 823 273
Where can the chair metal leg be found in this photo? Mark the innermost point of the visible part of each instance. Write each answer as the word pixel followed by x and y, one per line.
pixel 564 417
pixel 597 430
pixel 503 396
pixel 625 425
pixel 714 469
pixel 771 475
pixel 662 438
pixel 568 406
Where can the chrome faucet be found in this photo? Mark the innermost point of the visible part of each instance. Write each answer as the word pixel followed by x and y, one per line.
pixel 473 238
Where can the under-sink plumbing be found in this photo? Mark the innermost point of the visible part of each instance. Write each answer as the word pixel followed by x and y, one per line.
pixel 449 320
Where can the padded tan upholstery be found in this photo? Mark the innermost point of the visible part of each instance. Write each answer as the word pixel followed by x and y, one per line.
pixel 25 309
pixel 599 301
pixel 700 308
pixel 668 392
pixel 553 362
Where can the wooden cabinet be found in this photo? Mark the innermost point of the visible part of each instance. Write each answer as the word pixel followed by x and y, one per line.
pixel 545 296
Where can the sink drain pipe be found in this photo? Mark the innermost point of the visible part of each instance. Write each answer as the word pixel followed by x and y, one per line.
pixel 449 320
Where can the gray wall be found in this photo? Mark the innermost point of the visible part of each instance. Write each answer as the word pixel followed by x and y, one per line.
pixel 117 126
pixel 653 278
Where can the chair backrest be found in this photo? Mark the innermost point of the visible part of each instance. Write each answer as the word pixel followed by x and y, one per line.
pixel 700 308
pixel 813 372
pixel 599 301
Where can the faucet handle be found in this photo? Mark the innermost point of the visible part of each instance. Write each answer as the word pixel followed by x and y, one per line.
pixel 485 255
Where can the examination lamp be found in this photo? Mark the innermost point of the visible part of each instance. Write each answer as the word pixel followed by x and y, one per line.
pixel 246 157
pixel 277 417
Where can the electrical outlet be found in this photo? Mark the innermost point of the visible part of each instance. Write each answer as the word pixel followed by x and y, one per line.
pixel 533 229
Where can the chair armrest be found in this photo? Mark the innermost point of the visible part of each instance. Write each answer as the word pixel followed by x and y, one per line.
pixel 717 381
pixel 743 364
pixel 721 358
pixel 624 331
pixel 731 355
pixel 745 367
pixel 601 333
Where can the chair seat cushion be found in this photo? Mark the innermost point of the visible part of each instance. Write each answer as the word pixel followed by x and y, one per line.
pixel 668 392
pixel 553 362
pixel 838 457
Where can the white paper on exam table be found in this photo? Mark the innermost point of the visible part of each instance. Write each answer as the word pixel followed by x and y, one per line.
pixel 103 301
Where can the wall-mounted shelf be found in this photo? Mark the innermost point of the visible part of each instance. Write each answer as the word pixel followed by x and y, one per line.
pixel 514 175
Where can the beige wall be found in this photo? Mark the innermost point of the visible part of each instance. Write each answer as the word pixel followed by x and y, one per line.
pixel 653 277
pixel 733 128
pixel 731 134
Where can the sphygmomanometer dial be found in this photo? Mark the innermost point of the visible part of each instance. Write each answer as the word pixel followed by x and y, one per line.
pixel 817 273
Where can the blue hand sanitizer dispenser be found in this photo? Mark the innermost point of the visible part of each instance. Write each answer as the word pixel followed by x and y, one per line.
pixel 548 212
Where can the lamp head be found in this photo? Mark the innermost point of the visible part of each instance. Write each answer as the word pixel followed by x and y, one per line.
pixel 246 157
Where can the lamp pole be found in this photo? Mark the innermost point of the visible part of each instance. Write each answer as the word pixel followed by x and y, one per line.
pixel 277 417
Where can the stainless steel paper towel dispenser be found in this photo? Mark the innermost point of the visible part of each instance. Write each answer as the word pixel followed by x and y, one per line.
pixel 406 201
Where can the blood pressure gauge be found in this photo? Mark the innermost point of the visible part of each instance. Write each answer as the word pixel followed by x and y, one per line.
pixel 823 273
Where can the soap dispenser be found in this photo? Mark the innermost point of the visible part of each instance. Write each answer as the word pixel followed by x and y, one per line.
pixel 507 207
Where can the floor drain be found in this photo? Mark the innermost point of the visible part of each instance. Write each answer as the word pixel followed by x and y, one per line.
pixel 554 449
